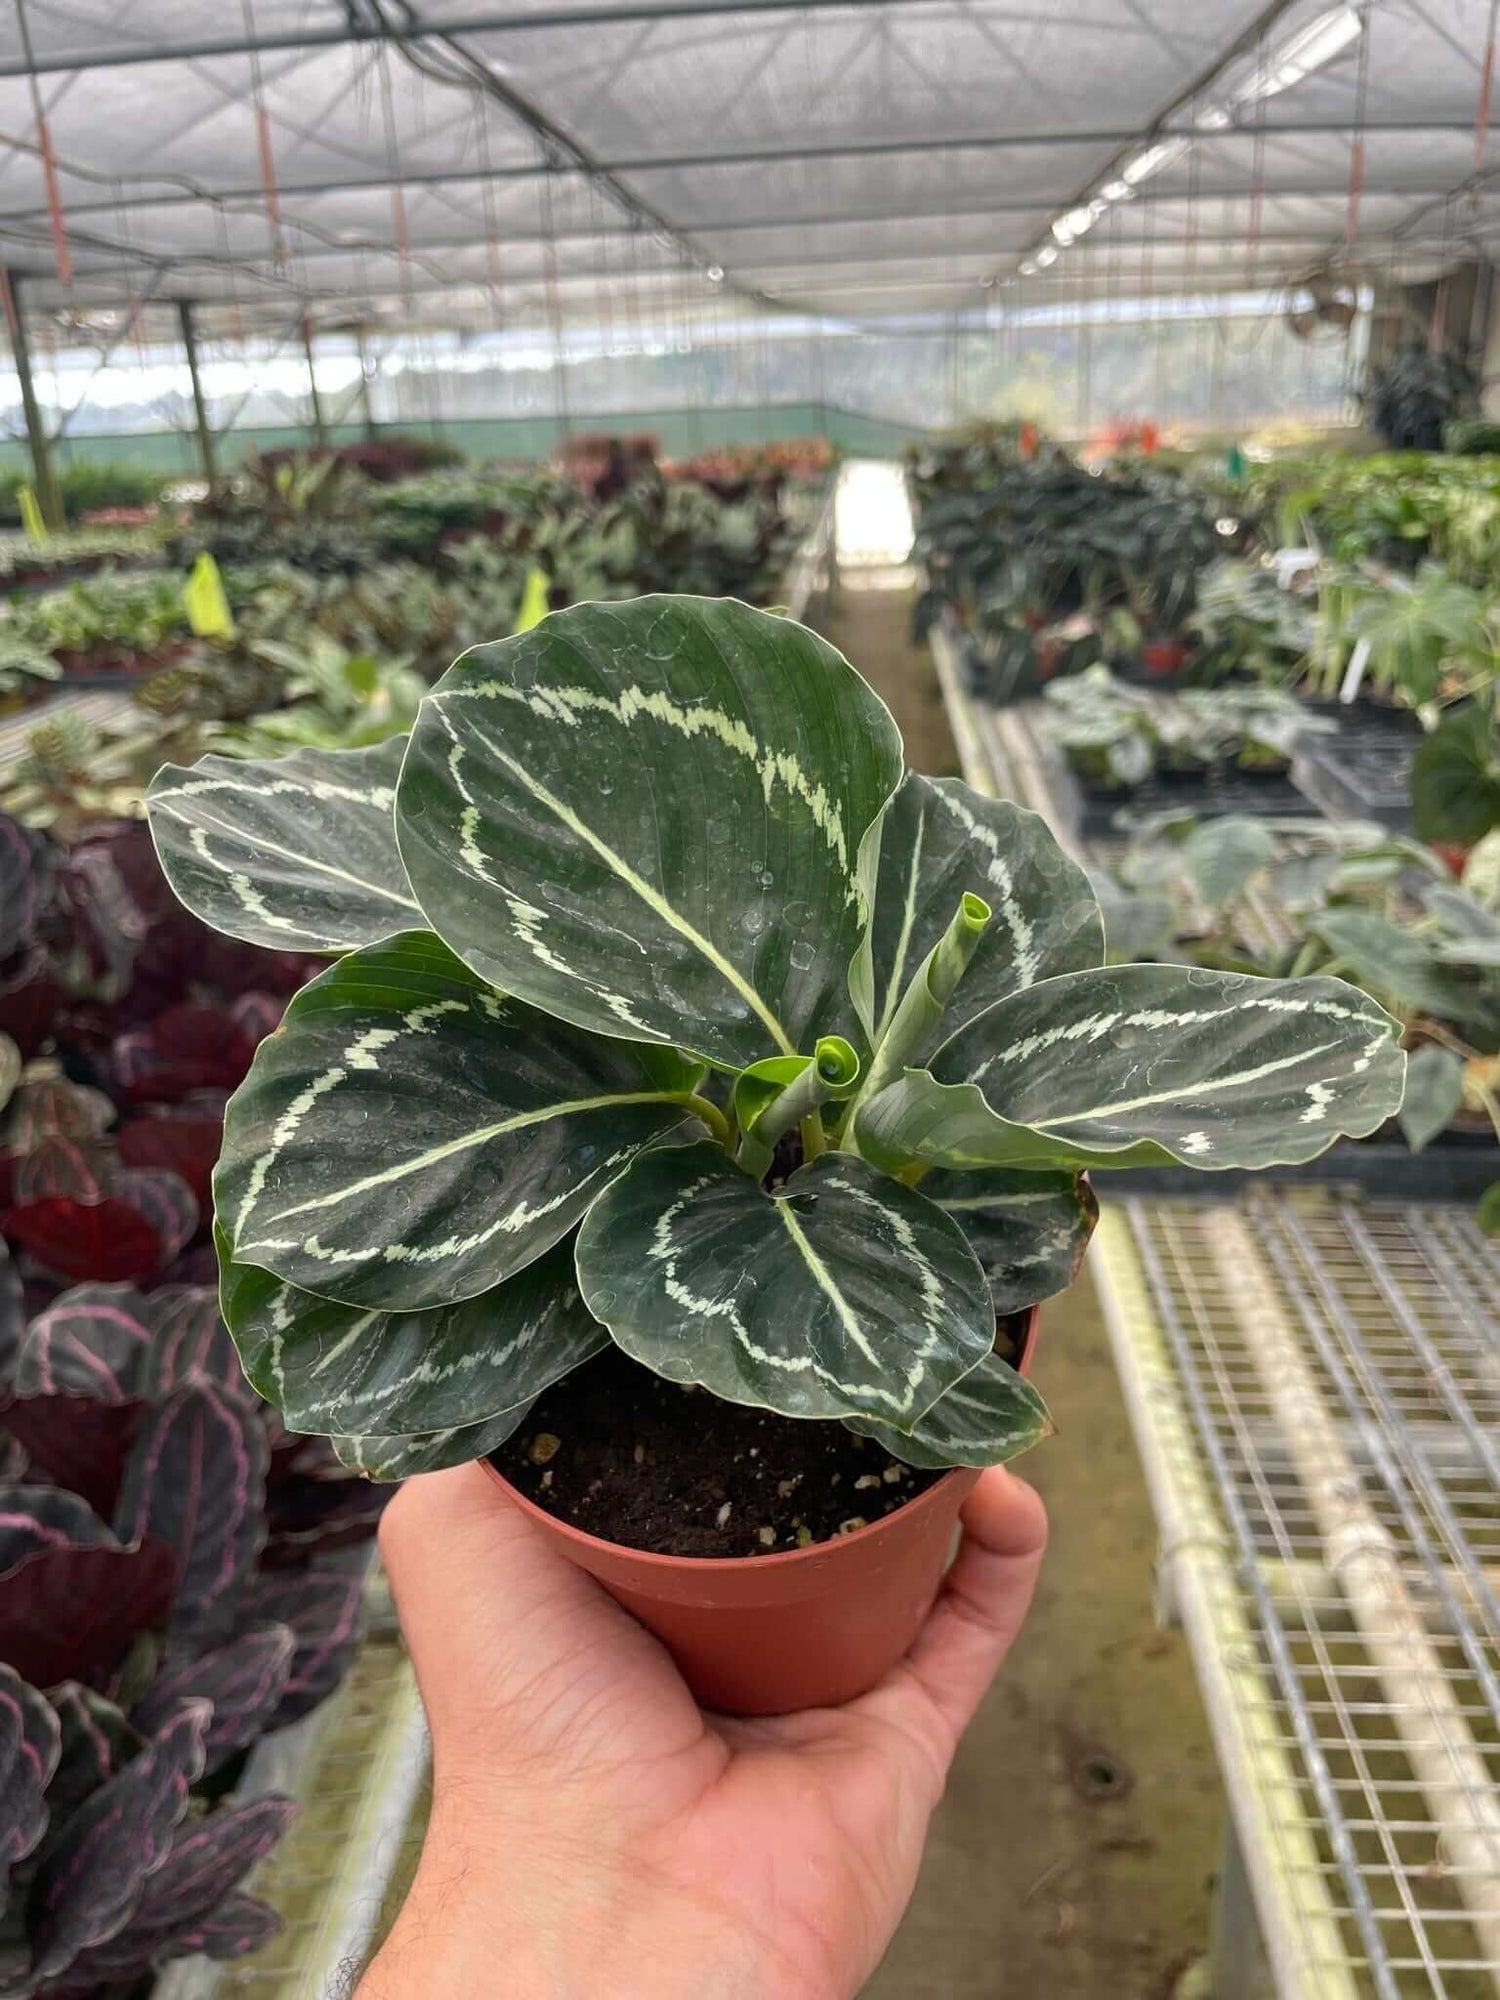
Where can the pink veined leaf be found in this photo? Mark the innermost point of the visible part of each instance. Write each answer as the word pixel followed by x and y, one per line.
pixel 190 1343
pixel 197 1479
pixel 323 1609
pixel 29 1746
pixel 243 1680
pixel 96 1869
pixel 69 1609
pixel 57 1166
pixel 90 1341
pixel 53 1108
pixel 97 1743
pixel 163 1200
pixel 81 1443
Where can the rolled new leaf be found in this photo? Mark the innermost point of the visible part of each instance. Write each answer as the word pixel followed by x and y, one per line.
pixel 992 1415
pixel 936 841
pixel 339 1370
pixel 296 852
pixel 1138 1064
pixel 842 1293
pixel 30 1744
pixel 772 1096
pixel 645 818
pixel 408 1138
pixel 913 1026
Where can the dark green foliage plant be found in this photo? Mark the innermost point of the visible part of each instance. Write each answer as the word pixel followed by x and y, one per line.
pixel 681 1015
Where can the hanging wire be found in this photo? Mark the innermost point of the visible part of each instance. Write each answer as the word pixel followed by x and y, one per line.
pixel 1357 141
pixel 1482 110
pixel 263 141
pixel 399 233
pixel 487 203
pixel 553 306
pixel 60 246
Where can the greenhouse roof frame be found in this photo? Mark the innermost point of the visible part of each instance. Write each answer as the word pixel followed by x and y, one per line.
pixel 814 156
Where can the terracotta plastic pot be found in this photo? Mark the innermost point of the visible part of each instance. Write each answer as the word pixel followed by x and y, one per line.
pixel 763 1635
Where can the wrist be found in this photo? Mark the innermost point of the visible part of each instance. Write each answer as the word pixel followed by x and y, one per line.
pixel 502 1905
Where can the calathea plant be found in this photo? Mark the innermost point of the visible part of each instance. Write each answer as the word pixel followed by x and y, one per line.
pixel 671 1013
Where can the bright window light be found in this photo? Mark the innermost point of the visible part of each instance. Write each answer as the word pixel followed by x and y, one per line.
pixel 1117 191
pixel 1312 48
pixel 1046 256
pixel 1028 267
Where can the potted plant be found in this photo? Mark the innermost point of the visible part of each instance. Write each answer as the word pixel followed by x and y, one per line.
pixel 694 1091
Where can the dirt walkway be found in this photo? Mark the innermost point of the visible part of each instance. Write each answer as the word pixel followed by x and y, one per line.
pixel 1072 1858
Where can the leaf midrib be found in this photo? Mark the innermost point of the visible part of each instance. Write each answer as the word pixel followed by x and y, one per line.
pixel 642 888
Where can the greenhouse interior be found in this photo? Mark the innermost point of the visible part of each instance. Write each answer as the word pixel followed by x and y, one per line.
pixel 750 826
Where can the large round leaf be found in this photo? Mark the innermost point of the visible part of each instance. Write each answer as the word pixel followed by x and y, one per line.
pixel 988 1417
pixel 336 1370
pixel 295 852
pixel 1029 1231
pixel 408 1138
pixel 843 1292
pixel 1140 1063
pixel 645 818
pixel 938 841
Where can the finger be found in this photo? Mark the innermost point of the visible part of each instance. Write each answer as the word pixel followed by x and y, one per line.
pixel 979 1610
pixel 479 1591
pixel 518 1652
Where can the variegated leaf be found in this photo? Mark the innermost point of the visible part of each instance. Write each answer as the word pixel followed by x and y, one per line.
pixel 937 841
pixel 30 1742
pixel 197 1479
pixel 208 1856
pixel 296 852
pixel 91 1341
pixel 992 1415
pixel 395 1457
pixel 842 1292
pixel 243 1681
pixel 408 1138
pixel 340 1370
pixel 1029 1231
pixel 645 817
pixel 1143 1063
pixel 93 1875
pixel 96 1743
pixel 323 1609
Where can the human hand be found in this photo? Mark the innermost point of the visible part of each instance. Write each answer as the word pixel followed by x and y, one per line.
pixel 596 1836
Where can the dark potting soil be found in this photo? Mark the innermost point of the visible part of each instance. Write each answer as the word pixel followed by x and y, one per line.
pixel 618 1452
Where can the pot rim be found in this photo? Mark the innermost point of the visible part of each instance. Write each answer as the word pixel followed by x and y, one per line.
pixel 718 1565
pixel 782 1558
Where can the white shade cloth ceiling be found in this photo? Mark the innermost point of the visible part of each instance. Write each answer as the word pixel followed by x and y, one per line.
pixel 847 159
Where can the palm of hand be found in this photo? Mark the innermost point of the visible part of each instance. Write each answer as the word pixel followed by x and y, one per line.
pixel 781 1852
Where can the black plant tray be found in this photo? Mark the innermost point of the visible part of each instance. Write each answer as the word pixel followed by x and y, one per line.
pixel 1360 774
pixel 1455 1167
pixel 1207 795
